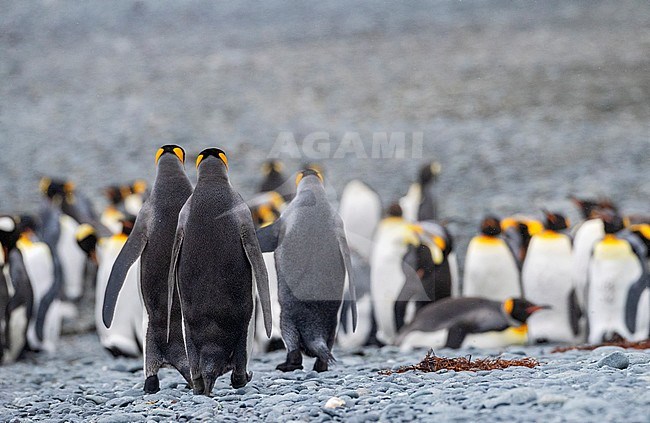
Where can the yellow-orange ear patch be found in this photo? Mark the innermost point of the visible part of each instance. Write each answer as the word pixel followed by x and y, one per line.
pixel 508 305
pixel 198 159
pixel 158 154
pixel 180 154
pixel 224 159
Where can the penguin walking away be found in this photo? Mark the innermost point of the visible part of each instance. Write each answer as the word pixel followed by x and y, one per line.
pixel 491 270
pixel 152 239
pixel 312 258
pixel 613 269
pixel 448 322
pixel 389 275
pixel 419 203
pixel 125 336
pixel 20 297
pixel 360 210
pixel 547 277
pixel 216 255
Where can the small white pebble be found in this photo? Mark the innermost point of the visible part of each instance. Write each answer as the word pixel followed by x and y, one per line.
pixel 334 402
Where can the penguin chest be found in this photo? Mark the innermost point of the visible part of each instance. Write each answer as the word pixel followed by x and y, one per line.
pixel 490 270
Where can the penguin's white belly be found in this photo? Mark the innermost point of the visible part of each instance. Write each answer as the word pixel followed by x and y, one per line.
pixel 586 236
pixel 351 340
pixel 491 272
pixel 419 339
pixel 360 210
pixel 125 333
pixel 642 317
pixel 547 280
pixel 609 283
pixel 17 328
pixel 386 280
pixel 495 339
pixel 261 341
pixel 40 269
pixel 73 259
pixel 455 276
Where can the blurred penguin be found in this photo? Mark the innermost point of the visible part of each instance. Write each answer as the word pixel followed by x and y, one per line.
pixel 125 336
pixel 360 209
pixel 491 270
pixel 639 237
pixel 547 278
pixel 113 213
pixel 419 203
pixel 45 323
pixel 19 294
pixel 450 322
pixel 614 268
pixel 389 275
pixel 518 231
pixel 276 180
pixel 135 195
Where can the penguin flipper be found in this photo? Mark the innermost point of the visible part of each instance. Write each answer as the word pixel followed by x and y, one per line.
pixel 254 254
pixel 345 252
pixel 172 277
pixel 457 333
pixel 632 302
pixel 130 252
pixel 574 312
pixel 267 236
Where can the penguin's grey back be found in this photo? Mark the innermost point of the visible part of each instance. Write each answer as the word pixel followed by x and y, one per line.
pixel 309 257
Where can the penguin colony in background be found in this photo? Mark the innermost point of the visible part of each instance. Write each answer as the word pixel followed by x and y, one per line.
pixel 292 272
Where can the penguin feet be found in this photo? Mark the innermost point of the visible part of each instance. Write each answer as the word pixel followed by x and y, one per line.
pixel 293 362
pixel 198 386
pixel 151 385
pixel 239 380
pixel 320 365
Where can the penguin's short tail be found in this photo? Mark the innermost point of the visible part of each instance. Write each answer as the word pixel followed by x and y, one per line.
pixel 318 348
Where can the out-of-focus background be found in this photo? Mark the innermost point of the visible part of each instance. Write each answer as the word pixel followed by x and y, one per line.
pixel 521 102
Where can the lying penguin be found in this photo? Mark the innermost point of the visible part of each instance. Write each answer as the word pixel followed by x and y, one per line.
pixel 446 323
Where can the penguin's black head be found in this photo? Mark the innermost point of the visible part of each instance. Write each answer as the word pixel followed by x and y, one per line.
pixel 491 226
pixel 587 207
pixel 612 222
pixel 272 167
pixel 9 231
pixel 215 152
pixel 308 172
pixel 53 188
pixel 394 210
pixel 429 172
pixel 114 194
pixel 86 238
pixel 127 224
pixel 520 309
pixel 555 221
pixel 27 222
pixel 174 149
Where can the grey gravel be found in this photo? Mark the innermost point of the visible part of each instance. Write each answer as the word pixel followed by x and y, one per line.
pixel 617 360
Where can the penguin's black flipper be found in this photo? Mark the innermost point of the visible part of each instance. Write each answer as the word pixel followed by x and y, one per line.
pixel 267 236
pixel 128 255
pixel 632 302
pixel 256 260
pixel 575 313
pixel 457 333
pixel 172 276
pixel 345 252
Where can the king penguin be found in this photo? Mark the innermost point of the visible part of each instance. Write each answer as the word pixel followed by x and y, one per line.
pixel 613 269
pixel 216 255
pixel 360 210
pixel 547 277
pixel 388 273
pixel 152 240
pixel 19 308
pixel 491 270
pixel 312 258
pixel 447 323
pixel 125 336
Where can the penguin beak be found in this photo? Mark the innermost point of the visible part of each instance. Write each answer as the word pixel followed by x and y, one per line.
pixel 532 309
